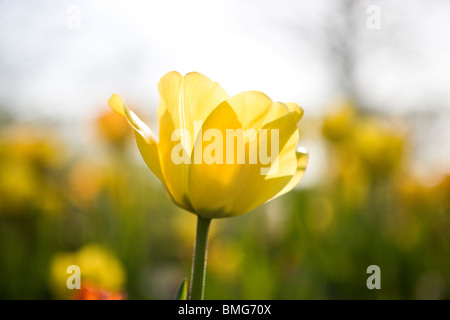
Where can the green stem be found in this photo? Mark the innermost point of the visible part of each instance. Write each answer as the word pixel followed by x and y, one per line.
pixel 198 272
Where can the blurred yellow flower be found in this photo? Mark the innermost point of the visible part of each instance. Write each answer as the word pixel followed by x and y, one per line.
pixel 37 146
pixel 380 147
pixel 351 176
pixel 19 184
pixel 99 268
pixel 30 159
pixel 229 185
pixel 413 194
pixel 338 124
pixel 111 127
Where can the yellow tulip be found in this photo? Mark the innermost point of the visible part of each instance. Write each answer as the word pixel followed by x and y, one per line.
pixel 218 189
pixel 339 124
pixel 112 129
pixel 206 175
pixel 380 147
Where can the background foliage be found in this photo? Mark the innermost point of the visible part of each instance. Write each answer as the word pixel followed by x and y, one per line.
pixel 100 208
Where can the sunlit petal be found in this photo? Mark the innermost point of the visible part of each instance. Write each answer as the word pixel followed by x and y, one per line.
pixel 257 188
pixel 296 109
pixel 175 174
pixel 212 185
pixel 302 161
pixel 251 108
pixel 188 99
pixel 144 136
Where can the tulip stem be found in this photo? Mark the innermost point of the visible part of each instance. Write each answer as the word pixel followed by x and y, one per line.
pixel 198 271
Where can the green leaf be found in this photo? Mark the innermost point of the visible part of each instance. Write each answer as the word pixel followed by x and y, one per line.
pixel 182 291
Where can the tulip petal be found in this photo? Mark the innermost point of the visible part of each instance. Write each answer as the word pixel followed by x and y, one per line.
pixel 169 88
pixel 212 181
pixel 188 99
pixel 116 103
pixel 255 188
pixel 296 109
pixel 149 152
pixel 251 108
pixel 302 161
pixel 183 100
pixel 276 111
pixel 175 174
pixel 285 122
pixel 257 192
pixel 144 136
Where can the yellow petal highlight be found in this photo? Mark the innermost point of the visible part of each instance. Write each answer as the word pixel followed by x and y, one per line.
pixel 257 192
pixel 188 99
pixel 169 88
pixel 296 109
pixel 169 120
pixel 288 139
pixel 211 186
pixel 116 103
pixel 175 175
pixel 251 108
pixel 144 136
pixel 183 100
pixel 302 161
pixel 254 188
pixel 149 152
